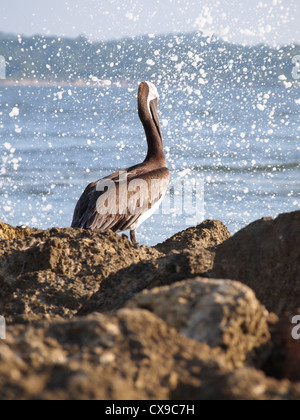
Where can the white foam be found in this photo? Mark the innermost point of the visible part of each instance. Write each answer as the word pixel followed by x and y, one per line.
pixel 14 112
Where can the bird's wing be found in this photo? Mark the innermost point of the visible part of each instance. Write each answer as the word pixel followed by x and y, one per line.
pixel 117 202
pixel 83 206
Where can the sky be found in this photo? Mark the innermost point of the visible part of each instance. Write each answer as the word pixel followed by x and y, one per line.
pixel 275 22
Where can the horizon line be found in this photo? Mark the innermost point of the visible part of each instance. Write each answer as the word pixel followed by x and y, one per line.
pixel 213 37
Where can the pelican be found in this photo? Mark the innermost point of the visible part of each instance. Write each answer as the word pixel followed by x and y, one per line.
pixel 124 200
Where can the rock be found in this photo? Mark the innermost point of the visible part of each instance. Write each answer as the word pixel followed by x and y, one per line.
pixel 8 232
pixel 266 257
pixel 221 313
pixel 252 385
pixel 177 339
pixel 132 354
pixel 66 272
pixel 129 355
pixel 56 271
pixel 117 289
pixel 207 235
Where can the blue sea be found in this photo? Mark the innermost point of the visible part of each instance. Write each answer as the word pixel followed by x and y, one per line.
pixel 238 142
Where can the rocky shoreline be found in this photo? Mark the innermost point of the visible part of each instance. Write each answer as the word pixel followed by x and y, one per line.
pixel 205 315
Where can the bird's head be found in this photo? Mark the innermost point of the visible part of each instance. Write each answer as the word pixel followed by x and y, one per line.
pixel 148 103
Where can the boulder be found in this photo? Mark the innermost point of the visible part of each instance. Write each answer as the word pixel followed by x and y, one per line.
pixel 67 272
pixel 52 273
pixel 224 314
pixel 8 232
pixel 70 334
pixel 266 257
pixel 117 289
pixel 131 354
pixel 207 235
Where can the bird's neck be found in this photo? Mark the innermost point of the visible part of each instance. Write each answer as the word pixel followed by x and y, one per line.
pixel 154 140
pixel 155 148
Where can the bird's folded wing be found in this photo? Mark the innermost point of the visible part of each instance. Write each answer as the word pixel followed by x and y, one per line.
pixel 117 203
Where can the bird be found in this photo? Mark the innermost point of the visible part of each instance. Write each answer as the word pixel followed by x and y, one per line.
pixel 125 199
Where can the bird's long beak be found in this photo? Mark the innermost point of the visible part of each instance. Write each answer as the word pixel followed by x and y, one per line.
pixel 154 112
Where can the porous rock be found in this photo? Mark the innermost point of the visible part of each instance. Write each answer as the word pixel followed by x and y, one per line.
pixel 117 289
pixel 207 235
pixel 129 355
pixel 221 313
pixel 204 339
pixel 8 232
pixel 52 273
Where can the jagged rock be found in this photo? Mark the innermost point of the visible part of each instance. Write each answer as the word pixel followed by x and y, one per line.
pixel 207 235
pixel 207 343
pixel 8 232
pixel 266 257
pixel 130 355
pixel 221 313
pixel 54 272
pixel 66 272
pixel 117 289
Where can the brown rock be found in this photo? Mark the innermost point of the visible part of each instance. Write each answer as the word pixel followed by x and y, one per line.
pixel 207 235
pixel 266 257
pixel 8 232
pixel 221 313
pixel 48 278
pixel 252 385
pixel 130 355
pixel 118 288
pixel 64 272
pixel 54 272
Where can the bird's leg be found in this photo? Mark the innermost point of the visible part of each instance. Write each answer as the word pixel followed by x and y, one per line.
pixel 133 237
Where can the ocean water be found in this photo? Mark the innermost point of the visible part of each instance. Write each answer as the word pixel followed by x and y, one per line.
pixel 239 142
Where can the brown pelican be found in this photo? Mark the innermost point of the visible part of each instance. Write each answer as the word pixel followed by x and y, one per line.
pixel 125 199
